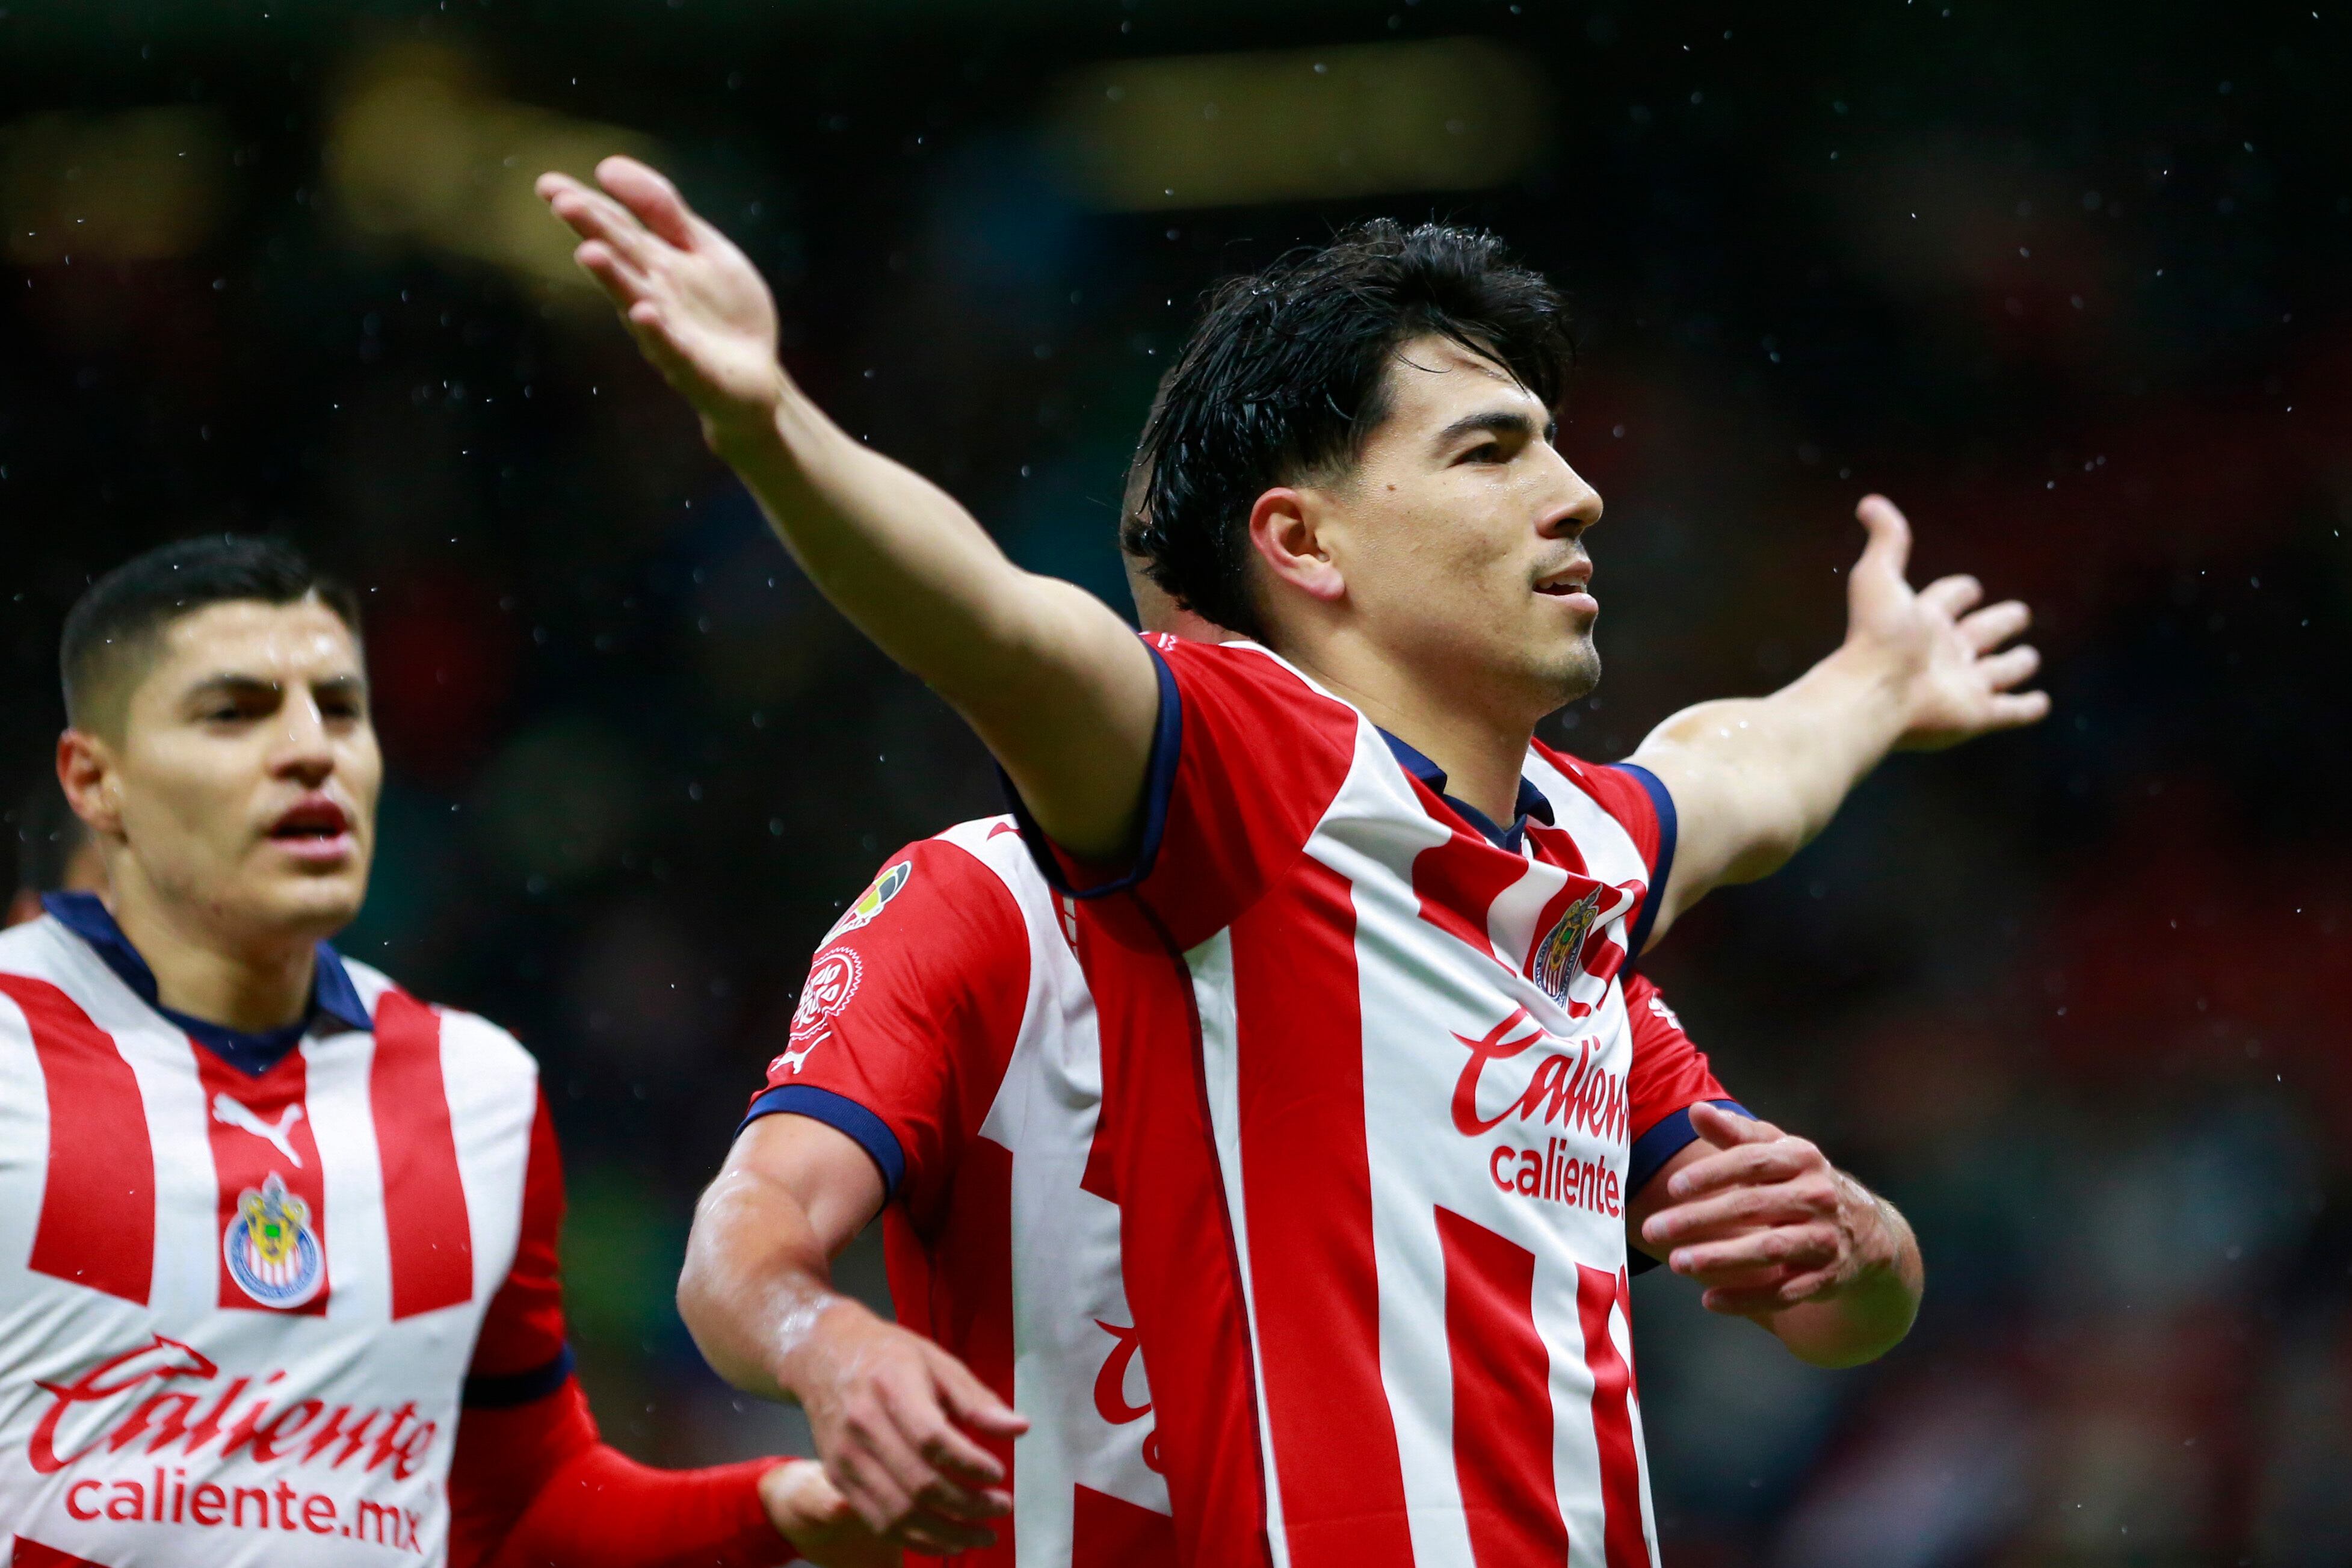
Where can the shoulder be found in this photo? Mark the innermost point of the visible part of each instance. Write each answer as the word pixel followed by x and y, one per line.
pixel 967 886
pixel 1245 671
pixel 468 1042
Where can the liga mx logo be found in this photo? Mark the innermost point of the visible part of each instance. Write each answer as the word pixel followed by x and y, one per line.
pixel 271 1251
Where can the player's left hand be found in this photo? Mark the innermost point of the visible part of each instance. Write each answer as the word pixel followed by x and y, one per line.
pixel 1766 1222
pixel 810 1512
pixel 1956 680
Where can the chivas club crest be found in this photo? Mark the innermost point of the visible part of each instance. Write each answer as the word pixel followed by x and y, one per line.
pixel 1555 967
pixel 271 1251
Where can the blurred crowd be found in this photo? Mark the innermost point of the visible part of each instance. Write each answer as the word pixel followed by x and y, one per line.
pixel 2066 285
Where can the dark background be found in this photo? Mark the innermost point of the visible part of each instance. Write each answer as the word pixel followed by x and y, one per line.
pixel 2065 280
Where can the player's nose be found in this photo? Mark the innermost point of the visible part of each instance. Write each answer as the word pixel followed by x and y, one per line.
pixel 1574 505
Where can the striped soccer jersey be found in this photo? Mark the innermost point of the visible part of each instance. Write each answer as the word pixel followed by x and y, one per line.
pixel 946 1027
pixel 1369 1120
pixel 238 1309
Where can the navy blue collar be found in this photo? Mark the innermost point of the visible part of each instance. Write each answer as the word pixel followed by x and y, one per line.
pixel 1531 801
pixel 332 995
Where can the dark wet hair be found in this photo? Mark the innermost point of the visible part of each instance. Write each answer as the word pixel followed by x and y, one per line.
pixel 112 627
pixel 1287 376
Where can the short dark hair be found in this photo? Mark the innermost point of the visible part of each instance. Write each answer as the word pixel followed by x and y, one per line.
pixel 114 625
pixel 1287 376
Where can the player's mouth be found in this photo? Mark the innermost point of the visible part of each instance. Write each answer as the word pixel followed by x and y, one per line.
pixel 316 828
pixel 1569 586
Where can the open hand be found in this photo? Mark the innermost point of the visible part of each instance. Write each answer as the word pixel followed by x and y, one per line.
pixel 808 1510
pixel 895 1419
pixel 1766 1222
pixel 1936 644
pixel 695 303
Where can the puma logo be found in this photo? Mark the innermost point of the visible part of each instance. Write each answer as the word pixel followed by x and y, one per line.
pixel 241 1117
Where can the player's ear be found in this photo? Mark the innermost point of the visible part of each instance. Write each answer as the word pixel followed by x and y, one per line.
pixel 1284 530
pixel 85 773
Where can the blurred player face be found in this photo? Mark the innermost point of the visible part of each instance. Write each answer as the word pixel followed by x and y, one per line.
pixel 1459 537
pixel 240 795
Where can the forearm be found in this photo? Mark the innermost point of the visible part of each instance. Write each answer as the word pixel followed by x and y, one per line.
pixel 757 1276
pixel 1757 778
pixel 1870 1315
pixel 1049 678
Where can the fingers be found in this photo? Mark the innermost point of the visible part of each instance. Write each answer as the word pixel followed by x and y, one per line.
pixel 2003 670
pixel 1795 1247
pixel 972 1403
pixel 1749 1164
pixel 648 193
pixel 1954 596
pixel 2015 710
pixel 594 215
pixel 1726 1129
pixel 1987 628
pixel 1773 1291
pixel 898 1495
pixel 1889 547
pixel 1741 1209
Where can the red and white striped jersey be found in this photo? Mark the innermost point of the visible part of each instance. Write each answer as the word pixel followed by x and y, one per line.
pixel 946 1027
pixel 238 1308
pixel 1369 1117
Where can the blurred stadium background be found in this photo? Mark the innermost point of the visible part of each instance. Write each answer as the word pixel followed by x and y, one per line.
pixel 2067 281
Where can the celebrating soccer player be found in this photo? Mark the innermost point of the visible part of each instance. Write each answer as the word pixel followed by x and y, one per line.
pixel 1355 946
pixel 279 1283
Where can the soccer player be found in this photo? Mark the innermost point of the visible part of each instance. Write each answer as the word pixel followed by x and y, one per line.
pixel 1348 947
pixel 944 1063
pixel 277 1241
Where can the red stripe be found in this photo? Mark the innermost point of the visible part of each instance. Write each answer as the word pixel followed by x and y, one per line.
pixel 98 1206
pixel 1502 1399
pixel 31 1553
pixel 1176 1243
pixel 1111 1532
pixel 423 1198
pixel 244 1160
pixel 1315 1289
pixel 1612 1423
pixel 966 1302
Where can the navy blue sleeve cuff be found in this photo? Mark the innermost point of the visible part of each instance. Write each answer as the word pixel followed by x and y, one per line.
pixel 1652 1149
pixel 844 1115
pixel 1663 802
pixel 504 1390
pixel 1159 789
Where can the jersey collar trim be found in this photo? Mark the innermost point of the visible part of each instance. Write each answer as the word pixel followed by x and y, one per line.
pixel 332 994
pixel 1532 801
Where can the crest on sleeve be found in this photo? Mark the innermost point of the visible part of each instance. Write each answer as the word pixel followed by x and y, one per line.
pixel 270 1249
pixel 871 902
pixel 832 982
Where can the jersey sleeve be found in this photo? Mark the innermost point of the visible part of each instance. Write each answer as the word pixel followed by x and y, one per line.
pixel 908 1017
pixel 1670 1075
pixel 1246 760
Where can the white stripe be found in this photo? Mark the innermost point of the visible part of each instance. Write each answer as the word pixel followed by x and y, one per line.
pixel 492 1085
pixel 1212 968
pixel 359 1251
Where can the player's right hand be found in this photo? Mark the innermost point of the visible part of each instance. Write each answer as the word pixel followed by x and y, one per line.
pixel 895 1418
pixel 695 303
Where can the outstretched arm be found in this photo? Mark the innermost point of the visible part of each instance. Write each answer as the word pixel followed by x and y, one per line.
pixel 1754 779
pixel 1776 1233
pixel 895 1417
pixel 1052 681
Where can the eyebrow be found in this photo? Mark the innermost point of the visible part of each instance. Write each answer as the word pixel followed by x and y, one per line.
pixel 1494 421
pixel 229 684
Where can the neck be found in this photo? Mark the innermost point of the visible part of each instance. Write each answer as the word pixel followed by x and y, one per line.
pixel 251 986
pixel 1482 752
